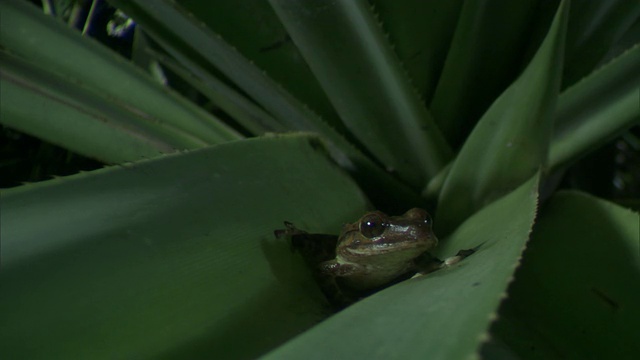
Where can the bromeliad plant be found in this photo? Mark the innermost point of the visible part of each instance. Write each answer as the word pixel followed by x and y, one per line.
pixel 467 108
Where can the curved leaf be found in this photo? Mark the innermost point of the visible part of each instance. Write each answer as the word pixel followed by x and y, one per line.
pixel 596 109
pixel 266 43
pixel 444 315
pixel 485 56
pixel 41 39
pixel 421 33
pixel 594 27
pixel 189 41
pixel 244 111
pixel 63 111
pixel 578 283
pixel 171 257
pixel 511 140
pixel 349 55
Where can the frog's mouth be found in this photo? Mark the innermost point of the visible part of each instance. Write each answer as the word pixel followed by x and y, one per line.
pixel 396 246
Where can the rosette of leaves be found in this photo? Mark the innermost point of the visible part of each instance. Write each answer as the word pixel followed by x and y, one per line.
pixel 233 116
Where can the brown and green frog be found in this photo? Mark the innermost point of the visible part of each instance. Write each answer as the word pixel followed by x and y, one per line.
pixel 369 254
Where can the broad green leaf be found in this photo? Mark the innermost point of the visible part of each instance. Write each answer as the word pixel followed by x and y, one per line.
pixel 253 28
pixel 510 143
pixel 627 41
pixel 421 33
pixel 594 27
pixel 62 111
pixel 190 42
pixel 172 257
pixel 242 110
pixel 577 292
pixel 588 114
pixel 30 34
pixel 444 315
pixel 351 58
pixel 597 109
pixel 485 56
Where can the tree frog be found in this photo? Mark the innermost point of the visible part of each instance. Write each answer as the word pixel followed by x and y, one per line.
pixel 375 251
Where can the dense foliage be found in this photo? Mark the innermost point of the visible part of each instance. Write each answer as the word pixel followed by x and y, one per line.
pixel 514 122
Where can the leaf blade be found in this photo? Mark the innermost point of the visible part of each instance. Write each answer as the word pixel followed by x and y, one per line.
pixel 431 315
pixel 170 254
pixel 62 111
pixel 510 143
pixel 362 77
pixel 594 269
pixel 596 109
pixel 484 57
pixel 188 40
pixel 39 38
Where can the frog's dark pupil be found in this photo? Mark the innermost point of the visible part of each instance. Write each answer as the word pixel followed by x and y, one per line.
pixel 372 226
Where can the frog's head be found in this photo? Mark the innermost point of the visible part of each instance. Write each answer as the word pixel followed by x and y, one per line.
pixel 405 236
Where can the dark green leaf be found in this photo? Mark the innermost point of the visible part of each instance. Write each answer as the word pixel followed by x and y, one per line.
pixel 253 28
pixel 444 315
pixel 576 294
pixel 510 143
pixel 30 34
pixel 421 33
pixel 594 27
pixel 189 41
pixel 171 257
pixel 484 58
pixel 62 111
pixel 353 61
pixel 242 110
pixel 596 109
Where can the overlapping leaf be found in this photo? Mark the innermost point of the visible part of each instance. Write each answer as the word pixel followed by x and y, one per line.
pixel 38 38
pixel 64 112
pixel 169 257
pixel 597 109
pixel 444 315
pixel 361 75
pixel 484 57
pixel 191 43
pixel 510 143
pixel 578 283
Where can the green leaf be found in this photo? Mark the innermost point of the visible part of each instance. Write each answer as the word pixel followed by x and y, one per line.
pixel 351 58
pixel 235 104
pixel 421 33
pixel 62 111
pixel 265 43
pixel 485 57
pixel 594 27
pixel 190 42
pixel 444 315
pixel 596 109
pixel 193 44
pixel 41 39
pixel 510 143
pixel 578 283
pixel 170 257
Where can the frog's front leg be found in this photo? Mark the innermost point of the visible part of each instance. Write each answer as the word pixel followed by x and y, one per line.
pixel 335 268
pixel 329 271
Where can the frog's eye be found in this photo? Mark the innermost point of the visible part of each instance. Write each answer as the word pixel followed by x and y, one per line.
pixel 427 219
pixel 372 225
